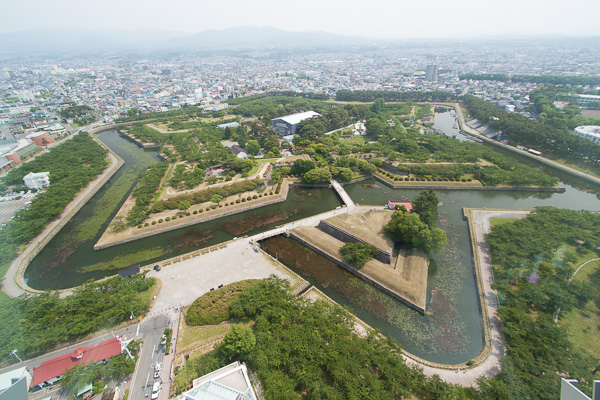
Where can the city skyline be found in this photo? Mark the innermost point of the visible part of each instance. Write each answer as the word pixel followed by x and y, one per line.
pixel 391 20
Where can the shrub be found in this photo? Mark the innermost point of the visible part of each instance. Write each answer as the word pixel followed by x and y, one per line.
pixel 207 208
pixel 271 193
pixel 213 307
pixel 168 219
pixel 407 179
pixel 237 201
pixel 260 195
pixel 146 224
pixel 220 205
pixel 200 211
pixel 181 216
pixel 160 221
pixel 226 205
pixel 249 198
pixel 153 222
pixel 213 206
pixel 195 212
pixel 255 197
pixel 469 179
pixel 244 200
pixel 232 203
pixel 139 226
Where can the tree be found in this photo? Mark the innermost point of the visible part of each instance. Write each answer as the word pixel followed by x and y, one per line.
pixel 239 342
pixel 184 205
pixel 412 232
pixel 426 205
pixel 375 127
pixel 378 105
pixel 317 176
pixel 301 166
pixel 253 147
pixel 358 253
pixel 216 198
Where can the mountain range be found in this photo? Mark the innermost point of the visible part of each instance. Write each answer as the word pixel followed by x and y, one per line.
pixel 93 41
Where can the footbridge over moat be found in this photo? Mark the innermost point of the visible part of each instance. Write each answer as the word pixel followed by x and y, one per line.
pixel 343 194
pixel 310 221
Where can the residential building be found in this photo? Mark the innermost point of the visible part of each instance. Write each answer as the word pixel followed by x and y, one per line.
pixel 288 124
pixel 228 383
pixel 37 180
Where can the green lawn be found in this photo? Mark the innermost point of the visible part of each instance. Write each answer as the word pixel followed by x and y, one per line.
pixel 259 163
pixel 583 325
pixel 200 334
pixel 500 221
pixel 354 139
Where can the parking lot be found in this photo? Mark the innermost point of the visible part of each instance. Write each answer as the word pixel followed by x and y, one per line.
pixel 10 207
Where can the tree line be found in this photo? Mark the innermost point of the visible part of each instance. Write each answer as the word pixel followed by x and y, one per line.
pixel 520 130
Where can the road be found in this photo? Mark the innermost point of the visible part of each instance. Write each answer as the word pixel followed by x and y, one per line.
pixel 152 352
pixel 465 128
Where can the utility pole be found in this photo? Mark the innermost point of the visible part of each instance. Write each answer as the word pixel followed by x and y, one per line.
pixel 14 353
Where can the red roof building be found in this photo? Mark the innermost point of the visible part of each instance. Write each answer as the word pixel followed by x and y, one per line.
pixel 59 365
pixel 392 205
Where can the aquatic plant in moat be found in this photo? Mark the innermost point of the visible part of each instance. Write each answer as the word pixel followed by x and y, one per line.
pixel 442 330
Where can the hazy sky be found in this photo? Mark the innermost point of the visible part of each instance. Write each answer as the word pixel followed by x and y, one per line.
pixel 389 18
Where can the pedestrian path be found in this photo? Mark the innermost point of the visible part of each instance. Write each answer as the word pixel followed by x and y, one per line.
pixel 343 194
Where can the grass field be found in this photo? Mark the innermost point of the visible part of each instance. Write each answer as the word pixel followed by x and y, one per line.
pixel 583 325
pixel 259 163
pixel 193 334
pixel 354 139
pixel 500 221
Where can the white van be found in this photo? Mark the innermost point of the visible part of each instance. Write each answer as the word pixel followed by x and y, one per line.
pixel 155 390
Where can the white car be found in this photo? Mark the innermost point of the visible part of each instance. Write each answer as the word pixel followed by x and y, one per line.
pixel 157 370
pixel 155 390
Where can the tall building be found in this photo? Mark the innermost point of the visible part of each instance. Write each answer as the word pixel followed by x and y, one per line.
pixel 432 73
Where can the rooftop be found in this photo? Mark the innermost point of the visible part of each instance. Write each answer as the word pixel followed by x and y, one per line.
pixel 59 365
pixel 228 383
pixel 298 117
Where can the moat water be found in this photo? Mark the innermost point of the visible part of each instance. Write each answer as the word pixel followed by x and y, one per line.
pixel 450 332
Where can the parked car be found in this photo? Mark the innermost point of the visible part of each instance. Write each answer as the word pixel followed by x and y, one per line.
pixel 155 390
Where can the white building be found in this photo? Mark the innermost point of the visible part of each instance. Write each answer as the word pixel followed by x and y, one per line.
pixel 228 383
pixel 37 180
pixel 288 125
pixel 589 132
pixel 588 100
pixel 14 384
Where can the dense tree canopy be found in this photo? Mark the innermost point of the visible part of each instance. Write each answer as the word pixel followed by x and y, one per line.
pixel 358 253
pixel 533 279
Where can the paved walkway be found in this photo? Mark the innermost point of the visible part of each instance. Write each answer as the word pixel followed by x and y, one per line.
pixel 13 283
